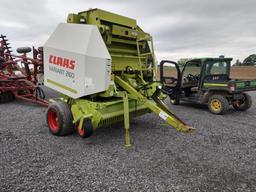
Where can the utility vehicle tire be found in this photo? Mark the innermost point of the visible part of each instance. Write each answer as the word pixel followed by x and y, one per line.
pixel 218 104
pixel 174 100
pixel 244 104
pixel 86 130
pixel 59 119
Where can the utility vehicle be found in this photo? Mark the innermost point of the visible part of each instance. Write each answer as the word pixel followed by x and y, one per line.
pixel 206 81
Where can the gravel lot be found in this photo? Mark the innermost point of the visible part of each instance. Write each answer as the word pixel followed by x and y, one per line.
pixel 220 156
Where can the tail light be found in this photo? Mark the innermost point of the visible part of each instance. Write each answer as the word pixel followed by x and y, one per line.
pixel 232 85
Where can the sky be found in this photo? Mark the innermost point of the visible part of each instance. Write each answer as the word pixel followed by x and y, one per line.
pixel 180 28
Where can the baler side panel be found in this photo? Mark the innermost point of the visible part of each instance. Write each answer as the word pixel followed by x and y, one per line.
pixel 76 61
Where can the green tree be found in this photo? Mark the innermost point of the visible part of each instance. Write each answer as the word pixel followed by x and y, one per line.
pixel 250 60
pixel 238 63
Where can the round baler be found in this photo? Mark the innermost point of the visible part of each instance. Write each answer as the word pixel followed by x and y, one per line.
pixel 104 66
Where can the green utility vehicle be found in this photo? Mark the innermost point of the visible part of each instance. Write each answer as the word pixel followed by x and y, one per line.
pixel 206 81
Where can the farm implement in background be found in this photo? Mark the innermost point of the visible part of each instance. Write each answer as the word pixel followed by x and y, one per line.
pixel 19 74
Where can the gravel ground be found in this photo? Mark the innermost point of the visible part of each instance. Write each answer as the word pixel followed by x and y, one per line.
pixel 220 156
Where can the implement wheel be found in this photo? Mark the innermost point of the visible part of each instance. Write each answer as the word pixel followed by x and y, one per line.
pixel 6 97
pixel 10 96
pixel 23 50
pixel 218 104
pixel 3 97
pixel 244 104
pixel 59 119
pixel 86 130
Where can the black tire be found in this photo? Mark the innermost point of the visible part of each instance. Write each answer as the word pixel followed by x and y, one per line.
pixel 6 97
pixel 220 109
pixel 59 119
pixel 11 96
pixel 1 98
pixel 174 100
pixel 86 130
pixel 23 50
pixel 244 104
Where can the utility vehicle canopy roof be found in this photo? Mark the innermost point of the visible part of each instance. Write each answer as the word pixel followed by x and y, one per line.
pixel 204 59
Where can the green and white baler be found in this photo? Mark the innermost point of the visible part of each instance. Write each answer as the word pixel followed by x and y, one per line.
pixel 104 66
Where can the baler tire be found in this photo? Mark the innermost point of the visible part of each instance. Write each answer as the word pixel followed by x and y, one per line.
pixel 59 119
pixel 245 105
pixel 218 104
pixel 86 130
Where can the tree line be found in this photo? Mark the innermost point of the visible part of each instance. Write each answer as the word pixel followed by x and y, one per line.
pixel 248 61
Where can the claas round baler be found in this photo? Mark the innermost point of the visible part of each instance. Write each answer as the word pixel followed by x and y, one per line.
pixel 104 66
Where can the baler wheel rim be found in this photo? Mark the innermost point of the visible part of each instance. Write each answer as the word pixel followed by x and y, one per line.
pixel 81 131
pixel 53 120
